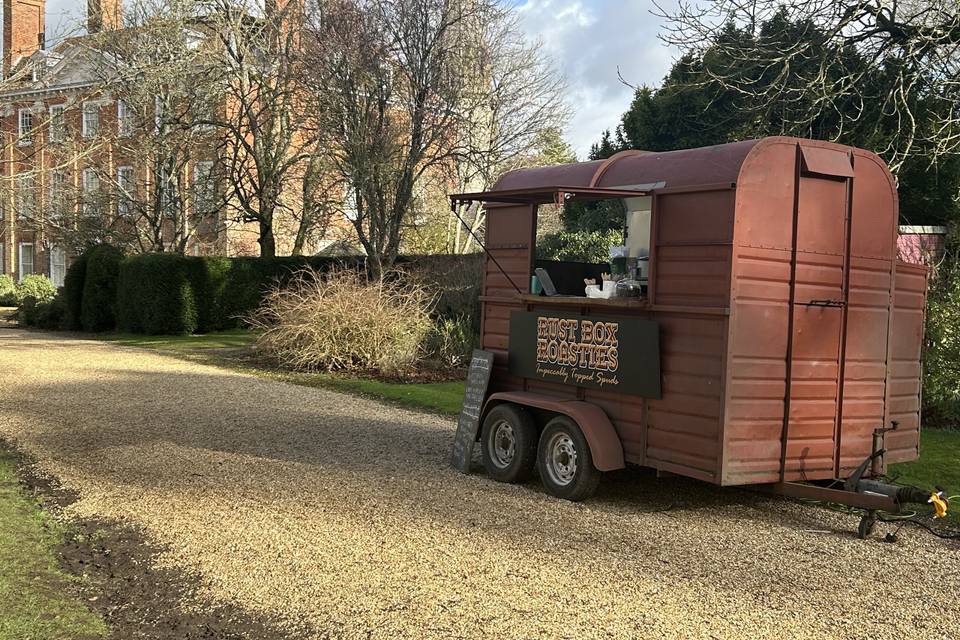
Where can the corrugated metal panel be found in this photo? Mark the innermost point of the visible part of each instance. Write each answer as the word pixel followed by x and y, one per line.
pixel 684 425
pixel 864 378
pixel 903 392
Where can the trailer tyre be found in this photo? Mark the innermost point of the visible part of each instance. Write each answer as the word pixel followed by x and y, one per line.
pixel 509 443
pixel 564 461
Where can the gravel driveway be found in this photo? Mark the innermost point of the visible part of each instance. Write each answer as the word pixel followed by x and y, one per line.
pixel 342 513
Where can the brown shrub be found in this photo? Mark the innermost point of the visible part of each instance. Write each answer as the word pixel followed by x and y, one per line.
pixel 341 321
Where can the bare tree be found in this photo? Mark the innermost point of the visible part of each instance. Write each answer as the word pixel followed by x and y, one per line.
pixel 889 69
pixel 158 71
pixel 407 89
pixel 264 144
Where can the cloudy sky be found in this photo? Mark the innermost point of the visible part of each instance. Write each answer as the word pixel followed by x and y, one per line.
pixel 588 39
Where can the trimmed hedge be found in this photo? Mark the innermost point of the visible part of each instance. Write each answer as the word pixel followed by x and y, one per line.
pixel 73 293
pixel 155 295
pixel 170 293
pixel 100 288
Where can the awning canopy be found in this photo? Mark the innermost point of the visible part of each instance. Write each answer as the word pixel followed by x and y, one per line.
pixel 544 195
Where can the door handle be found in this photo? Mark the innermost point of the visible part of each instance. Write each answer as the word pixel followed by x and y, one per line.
pixel 825 303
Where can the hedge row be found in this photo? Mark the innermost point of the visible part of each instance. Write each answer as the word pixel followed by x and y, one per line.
pixel 167 293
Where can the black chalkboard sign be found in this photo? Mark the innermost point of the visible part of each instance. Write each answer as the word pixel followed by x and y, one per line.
pixel 469 421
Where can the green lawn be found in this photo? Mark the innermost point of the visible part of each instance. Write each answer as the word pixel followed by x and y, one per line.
pixel 938 465
pixel 218 340
pixel 35 596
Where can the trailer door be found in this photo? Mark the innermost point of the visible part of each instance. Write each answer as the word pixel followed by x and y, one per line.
pixel 818 310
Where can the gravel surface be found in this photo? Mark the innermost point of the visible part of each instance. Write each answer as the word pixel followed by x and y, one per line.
pixel 342 513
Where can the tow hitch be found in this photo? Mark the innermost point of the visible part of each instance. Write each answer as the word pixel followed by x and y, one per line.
pixel 875 497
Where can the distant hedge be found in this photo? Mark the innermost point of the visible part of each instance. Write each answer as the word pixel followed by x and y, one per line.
pixel 100 288
pixel 73 293
pixel 158 293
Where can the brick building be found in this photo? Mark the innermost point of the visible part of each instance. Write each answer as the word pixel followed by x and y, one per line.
pixel 68 160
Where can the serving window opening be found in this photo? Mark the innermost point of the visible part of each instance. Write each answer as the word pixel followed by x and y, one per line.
pixel 593 249
pixel 587 242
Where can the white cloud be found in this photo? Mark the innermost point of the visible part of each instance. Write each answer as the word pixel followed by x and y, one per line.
pixel 591 40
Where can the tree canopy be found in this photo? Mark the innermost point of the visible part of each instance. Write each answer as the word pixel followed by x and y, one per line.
pixel 790 73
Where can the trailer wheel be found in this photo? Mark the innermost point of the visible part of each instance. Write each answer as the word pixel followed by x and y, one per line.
pixel 509 439
pixel 564 461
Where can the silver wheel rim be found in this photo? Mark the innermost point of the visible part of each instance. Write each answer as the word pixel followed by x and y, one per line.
pixel 561 459
pixel 503 444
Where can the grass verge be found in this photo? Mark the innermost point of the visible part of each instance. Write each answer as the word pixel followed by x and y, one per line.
pixel 938 464
pixel 35 596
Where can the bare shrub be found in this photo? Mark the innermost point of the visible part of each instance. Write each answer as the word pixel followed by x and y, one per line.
pixel 340 321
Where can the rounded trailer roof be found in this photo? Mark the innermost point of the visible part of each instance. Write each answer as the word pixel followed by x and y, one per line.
pixel 685 168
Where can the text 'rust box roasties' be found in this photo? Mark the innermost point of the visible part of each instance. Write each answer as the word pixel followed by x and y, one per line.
pixel 615 354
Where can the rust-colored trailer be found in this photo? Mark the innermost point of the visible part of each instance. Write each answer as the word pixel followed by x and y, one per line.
pixel 785 330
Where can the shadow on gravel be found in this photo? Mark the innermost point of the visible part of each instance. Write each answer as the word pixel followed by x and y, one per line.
pixel 135 599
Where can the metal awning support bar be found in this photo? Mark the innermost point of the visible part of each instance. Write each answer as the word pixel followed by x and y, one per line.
pixel 454 207
pixel 545 195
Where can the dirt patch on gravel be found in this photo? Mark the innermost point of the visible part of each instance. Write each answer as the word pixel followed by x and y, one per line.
pixel 120 581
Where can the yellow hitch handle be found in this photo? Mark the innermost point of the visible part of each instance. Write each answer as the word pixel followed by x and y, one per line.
pixel 939 504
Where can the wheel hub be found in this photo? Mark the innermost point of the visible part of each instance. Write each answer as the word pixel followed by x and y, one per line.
pixel 562 460
pixel 503 444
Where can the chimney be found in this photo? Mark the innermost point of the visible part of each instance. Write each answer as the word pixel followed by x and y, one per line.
pixel 23 30
pixel 103 15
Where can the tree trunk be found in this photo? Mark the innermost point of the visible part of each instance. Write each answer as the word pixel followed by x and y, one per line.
pixel 268 245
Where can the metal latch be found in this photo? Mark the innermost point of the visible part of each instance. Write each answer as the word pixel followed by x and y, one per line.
pixel 825 303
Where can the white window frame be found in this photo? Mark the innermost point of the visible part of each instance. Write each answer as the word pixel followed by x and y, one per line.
pixel 21 271
pixel 203 179
pixel 124 120
pixel 25 126
pixel 158 112
pixel 91 186
pixel 26 195
pixel 55 191
pixel 90 128
pixel 125 190
pixel 58 266
pixel 58 123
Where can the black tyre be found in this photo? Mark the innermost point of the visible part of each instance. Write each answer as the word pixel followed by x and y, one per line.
pixel 564 461
pixel 509 443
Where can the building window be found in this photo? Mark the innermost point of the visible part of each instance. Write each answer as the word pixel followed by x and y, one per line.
pixel 26 198
pixel 58 266
pixel 58 124
pixel 91 188
pixel 124 191
pixel 158 112
pixel 58 184
pixel 167 190
pixel 204 188
pixel 124 119
pixel 91 120
pixel 26 260
pixel 26 126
